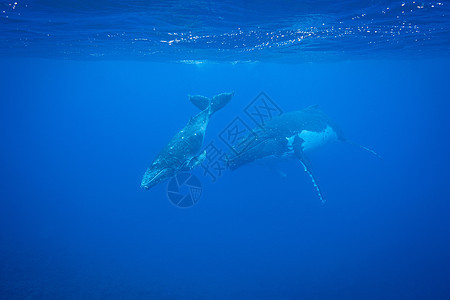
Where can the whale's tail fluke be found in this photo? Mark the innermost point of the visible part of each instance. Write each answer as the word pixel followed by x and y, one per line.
pixel 216 103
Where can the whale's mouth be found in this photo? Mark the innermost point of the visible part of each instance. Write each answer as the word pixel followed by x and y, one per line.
pixel 155 179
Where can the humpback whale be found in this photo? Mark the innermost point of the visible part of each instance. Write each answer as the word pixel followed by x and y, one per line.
pixel 289 135
pixel 182 152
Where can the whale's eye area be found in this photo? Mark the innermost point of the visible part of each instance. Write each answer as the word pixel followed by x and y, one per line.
pixel 145 187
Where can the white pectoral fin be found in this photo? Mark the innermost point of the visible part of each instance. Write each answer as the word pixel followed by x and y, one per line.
pixel 194 161
pixel 200 158
pixel 364 148
pixel 313 181
pixel 307 167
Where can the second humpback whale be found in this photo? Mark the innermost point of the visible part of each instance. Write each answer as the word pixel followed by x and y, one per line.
pixel 182 152
pixel 289 135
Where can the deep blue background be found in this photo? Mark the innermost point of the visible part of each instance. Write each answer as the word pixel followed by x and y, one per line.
pixel 76 138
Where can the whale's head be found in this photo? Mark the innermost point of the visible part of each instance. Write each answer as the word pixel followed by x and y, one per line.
pixel 154 175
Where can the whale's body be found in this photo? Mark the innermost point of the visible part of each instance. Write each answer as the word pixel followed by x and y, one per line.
pixel 289 135
pixel 182 152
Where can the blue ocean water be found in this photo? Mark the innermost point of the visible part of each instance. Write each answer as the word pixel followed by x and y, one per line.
pixel 92 91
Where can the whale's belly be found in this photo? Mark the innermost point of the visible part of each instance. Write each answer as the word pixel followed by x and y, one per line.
pixel 312 139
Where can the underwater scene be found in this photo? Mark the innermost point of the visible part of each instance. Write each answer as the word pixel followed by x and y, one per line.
pixel 224 149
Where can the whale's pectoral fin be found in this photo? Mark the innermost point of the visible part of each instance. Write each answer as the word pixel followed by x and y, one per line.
pixel 194 162
pixel 197 160
pixel 364 148
pixel 307 167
